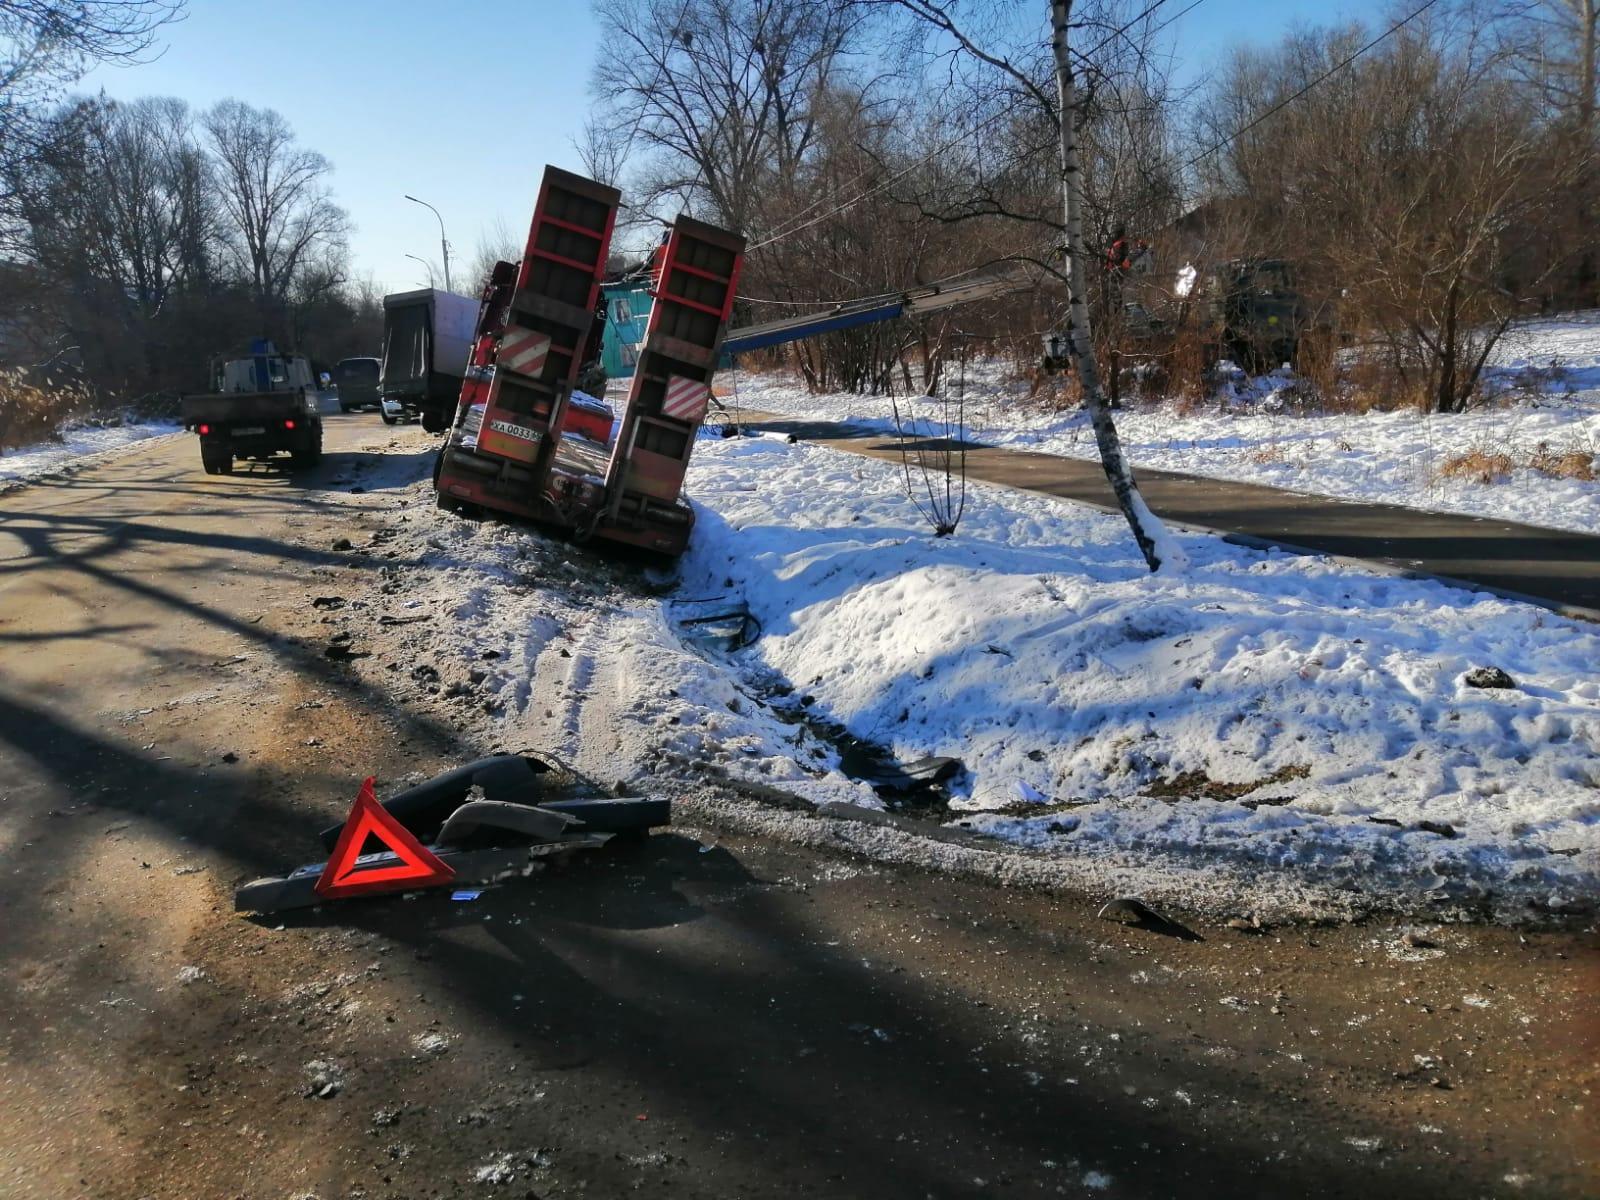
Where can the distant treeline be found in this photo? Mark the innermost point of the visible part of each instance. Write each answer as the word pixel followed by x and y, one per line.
pixel 142 238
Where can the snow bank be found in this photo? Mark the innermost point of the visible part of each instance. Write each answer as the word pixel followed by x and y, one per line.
pixel 1394 458
pixel 1257 708
pixel 78 444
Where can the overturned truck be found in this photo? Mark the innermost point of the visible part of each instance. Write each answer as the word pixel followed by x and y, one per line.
pixel 515 445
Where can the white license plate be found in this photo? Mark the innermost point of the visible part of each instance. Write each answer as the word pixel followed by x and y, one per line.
pixel 249 429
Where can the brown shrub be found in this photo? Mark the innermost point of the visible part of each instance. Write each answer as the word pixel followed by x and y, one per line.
pixel 32 412
pixel 1271 453
pixel 1483 466
pixel 1564 464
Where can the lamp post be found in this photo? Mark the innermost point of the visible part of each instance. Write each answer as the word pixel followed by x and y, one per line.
pixel 428 266
pixel 444 246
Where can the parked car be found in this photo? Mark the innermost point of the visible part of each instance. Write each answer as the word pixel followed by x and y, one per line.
pixel 357 381
pixel 394 410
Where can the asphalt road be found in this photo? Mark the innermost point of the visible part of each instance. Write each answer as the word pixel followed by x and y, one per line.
pixel 1552 566
pixel 705 1014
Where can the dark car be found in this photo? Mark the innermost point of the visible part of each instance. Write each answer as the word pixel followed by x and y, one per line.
pixel 357 381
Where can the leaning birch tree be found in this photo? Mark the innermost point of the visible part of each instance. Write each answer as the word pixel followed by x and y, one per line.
pixel 1066 108
pixel 1155 544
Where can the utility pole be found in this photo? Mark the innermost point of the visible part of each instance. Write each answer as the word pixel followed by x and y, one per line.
pixel 1154 542
pixel 444 246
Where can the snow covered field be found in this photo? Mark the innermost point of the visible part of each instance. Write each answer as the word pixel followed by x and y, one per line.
pixel 1396 458
pixel 78 444
pixel 1264 723
pixel 1267 708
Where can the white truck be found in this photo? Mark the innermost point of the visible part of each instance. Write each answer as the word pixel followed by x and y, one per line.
pixel 427 340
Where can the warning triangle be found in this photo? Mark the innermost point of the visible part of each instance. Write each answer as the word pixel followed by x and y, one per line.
pixel 346 876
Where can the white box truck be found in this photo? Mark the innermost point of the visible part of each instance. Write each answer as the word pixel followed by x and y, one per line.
pixel 427 341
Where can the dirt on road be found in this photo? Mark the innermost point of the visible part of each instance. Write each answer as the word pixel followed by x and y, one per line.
pixel 709 1013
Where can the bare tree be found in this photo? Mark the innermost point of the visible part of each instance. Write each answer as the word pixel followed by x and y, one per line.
pixel 718 94
pixel 1418 182
pixel 47 44
pixel 1556 44
pixel 284 227
pixel 495 244
pixel 1067 113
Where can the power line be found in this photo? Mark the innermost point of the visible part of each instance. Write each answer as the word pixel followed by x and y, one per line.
pixel 1320 79
pixel 783 233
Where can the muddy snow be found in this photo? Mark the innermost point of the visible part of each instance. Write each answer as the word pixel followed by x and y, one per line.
pixel 77 446
pixel 1259 717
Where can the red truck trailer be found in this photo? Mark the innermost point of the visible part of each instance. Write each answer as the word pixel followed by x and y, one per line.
pixel 508 449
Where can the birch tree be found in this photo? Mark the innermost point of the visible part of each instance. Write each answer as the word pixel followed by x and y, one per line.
pixel 1067 112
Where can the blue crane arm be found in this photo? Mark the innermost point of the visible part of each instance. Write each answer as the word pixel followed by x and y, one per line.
pixel 795 329
pixel 910 303
pixel 629 306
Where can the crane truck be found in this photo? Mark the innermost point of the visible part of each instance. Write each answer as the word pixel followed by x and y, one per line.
pixel 261 404
pixel 522 444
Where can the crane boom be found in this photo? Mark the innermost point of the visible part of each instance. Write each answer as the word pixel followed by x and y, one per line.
pixel 871 309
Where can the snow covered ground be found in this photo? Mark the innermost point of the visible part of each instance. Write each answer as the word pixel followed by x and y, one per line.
pixel 1259 708
pixel 1395 457
pixel 1261 725
pixel 78 445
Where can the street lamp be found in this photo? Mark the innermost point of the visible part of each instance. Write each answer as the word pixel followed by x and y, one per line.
pixel 427 265
pixel 444 246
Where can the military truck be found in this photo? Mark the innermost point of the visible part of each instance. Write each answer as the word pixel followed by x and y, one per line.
pixel 1249 311
pixel 262 404
pixel 1246 310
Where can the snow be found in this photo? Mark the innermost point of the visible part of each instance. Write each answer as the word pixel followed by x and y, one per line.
pixel 77 443
pixel 1259 732
pixel 1252 433
pixel 1258 708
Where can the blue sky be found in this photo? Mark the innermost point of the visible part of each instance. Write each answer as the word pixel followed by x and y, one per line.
pixel 462 104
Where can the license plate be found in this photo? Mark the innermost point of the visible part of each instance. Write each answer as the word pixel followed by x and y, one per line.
pixel 249 429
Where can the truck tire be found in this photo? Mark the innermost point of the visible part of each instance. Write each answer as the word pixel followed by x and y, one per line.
pixel 387 419
pixel 217 460
pixel 433 422
pixel 309 452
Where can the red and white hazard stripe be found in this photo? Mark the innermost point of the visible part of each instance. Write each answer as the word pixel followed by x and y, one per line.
pixel 686 399
pixel 523 350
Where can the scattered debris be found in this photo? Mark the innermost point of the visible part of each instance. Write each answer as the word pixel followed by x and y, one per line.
pixel 326 1079
pixel 1129 910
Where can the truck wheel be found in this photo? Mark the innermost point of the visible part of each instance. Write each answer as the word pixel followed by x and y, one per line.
pixel 308 453
pixel 217 460
pixel 433 422
pixel 388 420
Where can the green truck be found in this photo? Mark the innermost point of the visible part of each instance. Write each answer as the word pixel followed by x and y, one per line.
pixel 262 404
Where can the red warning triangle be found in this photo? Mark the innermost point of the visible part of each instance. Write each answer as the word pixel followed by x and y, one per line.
pixel 345 876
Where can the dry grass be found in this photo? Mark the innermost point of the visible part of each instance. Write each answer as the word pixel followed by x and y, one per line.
pixel 1564 464
pixel 33 411
pixel 1479 466
pixel 1496 466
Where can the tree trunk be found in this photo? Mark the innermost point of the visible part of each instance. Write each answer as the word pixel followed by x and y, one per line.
pixel 1447 399
pixel 1151 535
